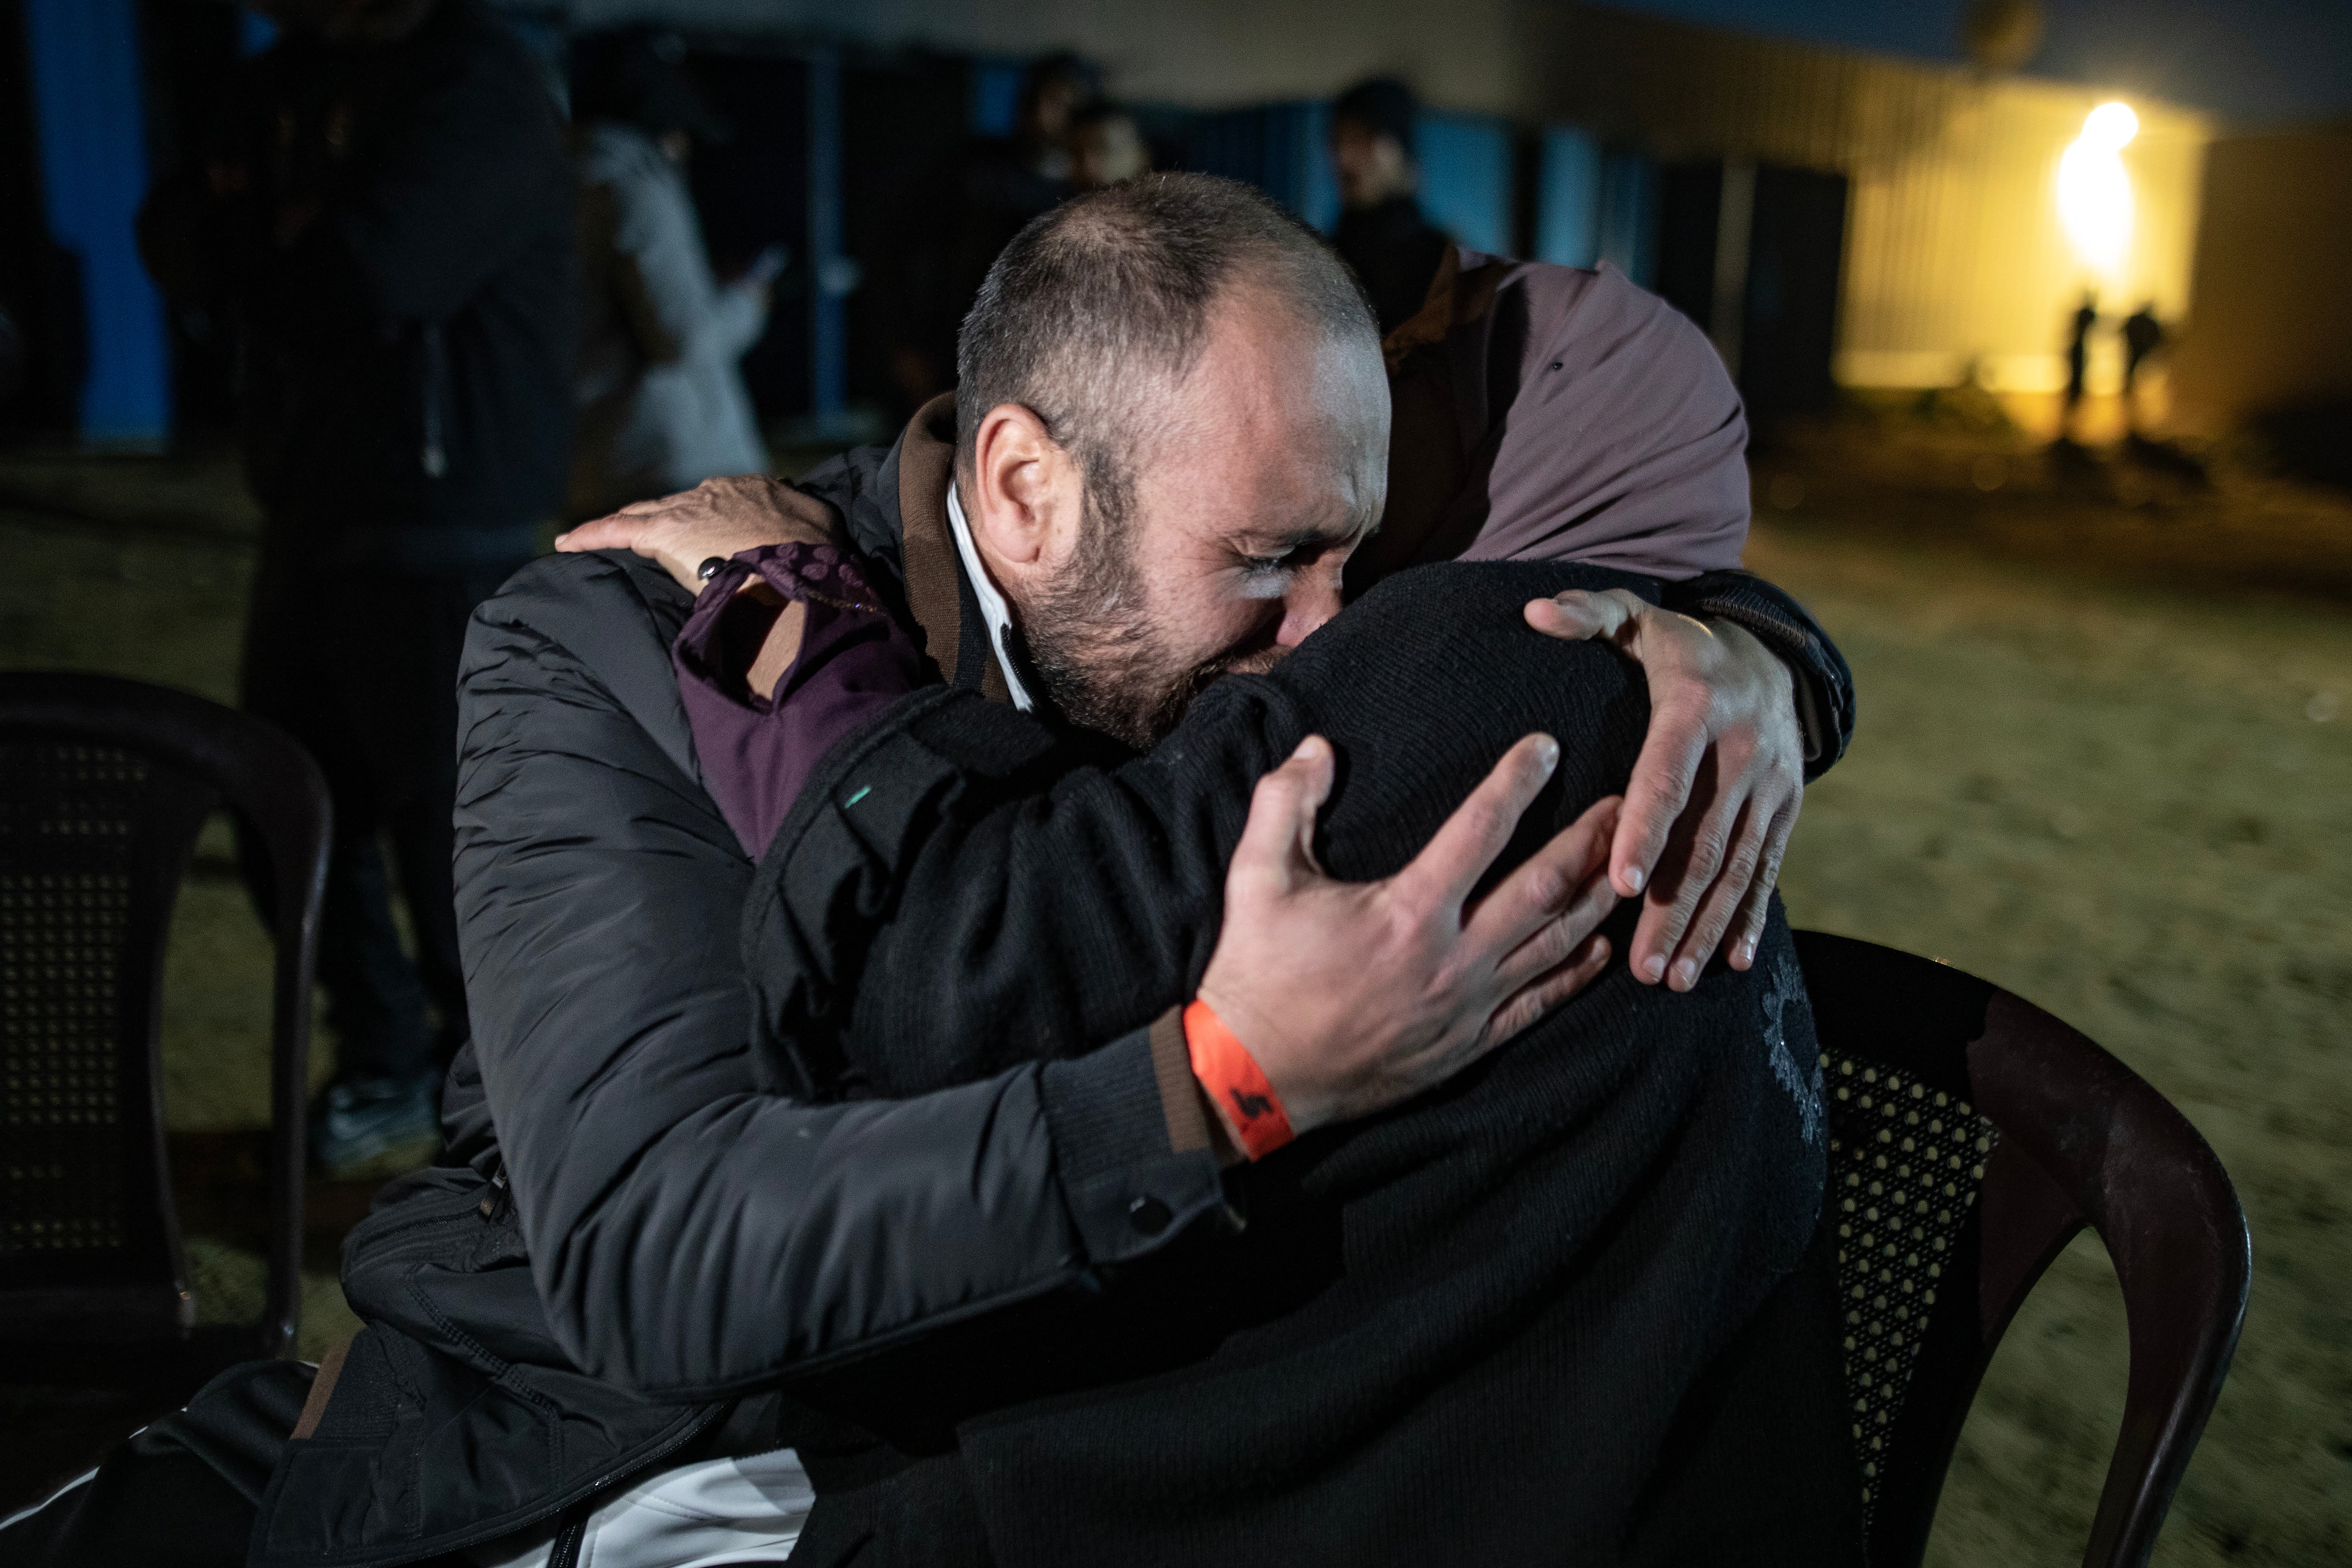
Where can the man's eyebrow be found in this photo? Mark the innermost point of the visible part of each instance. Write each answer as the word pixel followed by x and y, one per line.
pixel 1287 541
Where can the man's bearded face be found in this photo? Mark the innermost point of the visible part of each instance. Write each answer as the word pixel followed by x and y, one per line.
pixel 1213 544
pixel 1110 659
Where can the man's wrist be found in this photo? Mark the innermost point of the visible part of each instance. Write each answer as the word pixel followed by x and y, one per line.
pixel 1824 688
pixel 1233 1082
pixel 1128 1191
pixel 1794 668
pixel 1192 1122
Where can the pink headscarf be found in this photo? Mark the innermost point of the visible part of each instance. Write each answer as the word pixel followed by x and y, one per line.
pixel 1550 413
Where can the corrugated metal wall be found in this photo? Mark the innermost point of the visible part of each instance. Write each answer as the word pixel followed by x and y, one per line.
pixel 1955 254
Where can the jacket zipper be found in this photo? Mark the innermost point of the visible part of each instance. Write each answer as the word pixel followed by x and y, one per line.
pixel 565 1554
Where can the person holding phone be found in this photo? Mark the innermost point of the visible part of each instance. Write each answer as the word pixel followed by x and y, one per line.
pixel 662 401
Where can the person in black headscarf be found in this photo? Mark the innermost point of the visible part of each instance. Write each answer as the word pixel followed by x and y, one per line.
pixel 1383 234
pixel 386 210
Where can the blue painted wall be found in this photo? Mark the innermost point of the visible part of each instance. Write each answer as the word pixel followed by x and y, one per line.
pixel 995 101
pixel 1299 162
pixel 1280 148
pixel 1568 198
pixel 1465 178
pixel 1629 216
pixel 88 114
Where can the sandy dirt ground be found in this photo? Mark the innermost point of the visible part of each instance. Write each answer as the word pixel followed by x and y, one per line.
pixel 2104 760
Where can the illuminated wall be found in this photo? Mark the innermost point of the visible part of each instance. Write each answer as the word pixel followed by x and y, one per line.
pixel 1955 254
pixel 1959 250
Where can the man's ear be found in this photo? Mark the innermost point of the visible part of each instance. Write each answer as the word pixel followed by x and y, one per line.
pixel 1026 489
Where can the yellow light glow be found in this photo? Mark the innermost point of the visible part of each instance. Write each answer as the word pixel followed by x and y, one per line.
pixel 2112 126
pixel 2094 192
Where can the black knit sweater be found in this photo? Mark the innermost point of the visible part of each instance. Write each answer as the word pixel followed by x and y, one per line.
pixel 1464 1331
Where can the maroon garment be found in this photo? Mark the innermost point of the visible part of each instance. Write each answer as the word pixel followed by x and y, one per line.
pixel 854 660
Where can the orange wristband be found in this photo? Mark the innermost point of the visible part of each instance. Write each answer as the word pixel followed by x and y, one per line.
pixel 1236 1082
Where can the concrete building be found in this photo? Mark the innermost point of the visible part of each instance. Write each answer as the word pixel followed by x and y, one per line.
pixel 1830 218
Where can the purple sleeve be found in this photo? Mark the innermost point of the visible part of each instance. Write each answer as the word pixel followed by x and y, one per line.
pixel 854 660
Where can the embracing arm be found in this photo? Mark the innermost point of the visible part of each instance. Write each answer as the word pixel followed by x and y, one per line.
pixel 1627 447
pixel 692 1230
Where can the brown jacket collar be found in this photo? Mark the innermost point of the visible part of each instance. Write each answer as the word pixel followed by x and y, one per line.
pixel 935 594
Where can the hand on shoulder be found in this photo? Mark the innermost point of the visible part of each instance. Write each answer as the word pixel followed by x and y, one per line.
pixel 719 517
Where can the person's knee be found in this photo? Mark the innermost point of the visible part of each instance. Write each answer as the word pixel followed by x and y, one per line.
pixel 182 1493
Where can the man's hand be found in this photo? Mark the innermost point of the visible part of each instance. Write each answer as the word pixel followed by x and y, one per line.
pixel 1715 789
pixel 718 517
pixel 1355 996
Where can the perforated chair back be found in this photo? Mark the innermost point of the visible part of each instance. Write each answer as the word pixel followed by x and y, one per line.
pixel 1972 1135
pixel 104 785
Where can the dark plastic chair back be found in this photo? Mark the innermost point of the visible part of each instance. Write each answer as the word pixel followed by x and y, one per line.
pixel 1972 1135
pixel 104 785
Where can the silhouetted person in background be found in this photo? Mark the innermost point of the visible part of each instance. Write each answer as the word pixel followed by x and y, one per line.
pixel 2078 358
pixel 1105 146
pixel 1383 234
pixel 387 210
pixel 997 186
pixel 2143 337
pixel 662 401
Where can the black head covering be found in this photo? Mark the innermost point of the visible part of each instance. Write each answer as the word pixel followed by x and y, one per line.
pixel 637 76
pixel 1383 105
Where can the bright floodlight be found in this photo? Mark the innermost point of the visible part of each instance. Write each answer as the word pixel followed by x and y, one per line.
pixel 2111 126
pixel 2094 192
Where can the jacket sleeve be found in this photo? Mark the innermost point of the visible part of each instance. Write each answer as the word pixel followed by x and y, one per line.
pixel 1825 686
pixel 690 1234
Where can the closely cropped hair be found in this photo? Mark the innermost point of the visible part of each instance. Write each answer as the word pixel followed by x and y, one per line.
pixel 1101 304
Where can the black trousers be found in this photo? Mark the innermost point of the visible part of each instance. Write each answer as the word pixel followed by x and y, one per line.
pixel 180 1494
pixel 359 664
pixel 1760 1473
pixel 186 1492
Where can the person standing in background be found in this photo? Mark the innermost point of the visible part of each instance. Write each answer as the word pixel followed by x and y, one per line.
pixel 2078 361
pixel 1105 146
pixel 661 399
pixel 2142 339
pixel 985 194
pixel 1383 234
pixel 386 209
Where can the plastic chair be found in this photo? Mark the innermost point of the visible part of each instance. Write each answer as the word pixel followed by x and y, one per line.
pixel 104 785
pixel 1971 1136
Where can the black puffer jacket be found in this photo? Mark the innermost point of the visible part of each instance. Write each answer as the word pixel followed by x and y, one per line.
pixel 647 1227
pixel 665 1234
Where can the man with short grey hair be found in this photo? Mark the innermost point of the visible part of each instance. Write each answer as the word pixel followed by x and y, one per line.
pixel 643 1230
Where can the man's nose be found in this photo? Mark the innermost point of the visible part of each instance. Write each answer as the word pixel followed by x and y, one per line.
pixel 1313 599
